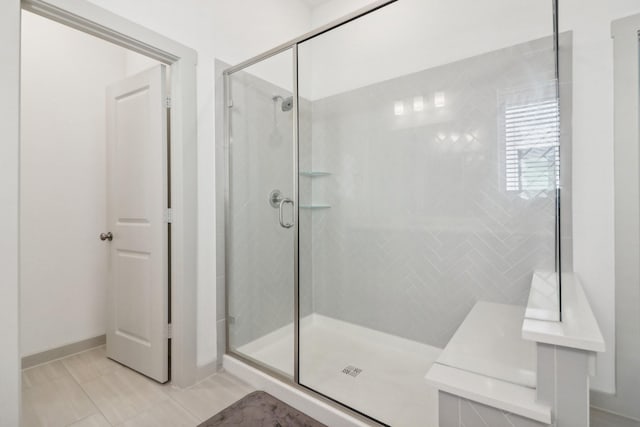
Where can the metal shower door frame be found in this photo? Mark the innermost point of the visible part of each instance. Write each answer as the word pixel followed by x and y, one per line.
pixel 228 104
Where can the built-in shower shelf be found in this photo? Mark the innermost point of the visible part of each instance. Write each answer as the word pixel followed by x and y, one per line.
pixel 315 206
pixel 314 173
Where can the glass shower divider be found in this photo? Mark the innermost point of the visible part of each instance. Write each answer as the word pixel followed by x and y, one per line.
pixel 383 179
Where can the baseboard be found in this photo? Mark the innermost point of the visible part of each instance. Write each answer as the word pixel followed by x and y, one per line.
pixel 207 370
pixel 64 351
pixel 630 420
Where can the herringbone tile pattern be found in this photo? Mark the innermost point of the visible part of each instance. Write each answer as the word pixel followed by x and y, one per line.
pixel 421 224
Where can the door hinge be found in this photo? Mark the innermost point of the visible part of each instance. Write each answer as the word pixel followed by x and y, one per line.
pixel 169 331
pixel 167 102
pixel 230 103
pixel 168 216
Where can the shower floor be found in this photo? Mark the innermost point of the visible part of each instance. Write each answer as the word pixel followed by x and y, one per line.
pixel 375 373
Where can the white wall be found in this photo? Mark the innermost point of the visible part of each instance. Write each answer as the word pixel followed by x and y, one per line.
pixel 232 31
pixel 136 63
pixel 334 9
pixel 245 28
pixel 63 181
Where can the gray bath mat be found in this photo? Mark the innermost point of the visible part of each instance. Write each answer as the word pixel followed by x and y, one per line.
pixel 260 409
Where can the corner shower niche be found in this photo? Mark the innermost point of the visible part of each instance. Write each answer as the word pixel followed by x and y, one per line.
pixel 423 167
pixel 312 204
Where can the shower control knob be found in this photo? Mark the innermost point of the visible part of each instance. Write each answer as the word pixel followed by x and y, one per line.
pixel 106 236
pixel 275 197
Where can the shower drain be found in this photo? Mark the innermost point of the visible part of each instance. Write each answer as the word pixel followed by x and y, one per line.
pixel 352 371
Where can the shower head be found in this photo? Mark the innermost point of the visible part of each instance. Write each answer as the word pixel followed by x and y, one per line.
pixel 287 103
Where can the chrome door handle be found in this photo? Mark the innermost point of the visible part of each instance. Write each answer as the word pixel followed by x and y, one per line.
pixel 281 216
pixel 106 236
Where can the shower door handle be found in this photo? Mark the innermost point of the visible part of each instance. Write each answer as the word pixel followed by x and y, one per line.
pixel 281 215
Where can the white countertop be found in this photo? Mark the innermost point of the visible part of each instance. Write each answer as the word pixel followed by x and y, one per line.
pixel 578 328
pixel 489 342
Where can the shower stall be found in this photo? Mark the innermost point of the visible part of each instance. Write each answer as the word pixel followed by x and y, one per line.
pixel 384 174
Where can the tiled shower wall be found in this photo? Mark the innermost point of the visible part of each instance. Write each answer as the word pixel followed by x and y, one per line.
pixel 421 224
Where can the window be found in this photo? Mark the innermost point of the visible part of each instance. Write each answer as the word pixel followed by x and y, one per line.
pixel 532 147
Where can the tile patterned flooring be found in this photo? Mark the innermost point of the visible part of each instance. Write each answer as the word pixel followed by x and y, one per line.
pixel 89 390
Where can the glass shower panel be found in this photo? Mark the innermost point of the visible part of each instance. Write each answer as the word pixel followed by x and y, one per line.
pixel 429 159
pixel 260 243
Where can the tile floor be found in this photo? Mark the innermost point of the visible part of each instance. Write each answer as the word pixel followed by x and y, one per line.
pixel 89 390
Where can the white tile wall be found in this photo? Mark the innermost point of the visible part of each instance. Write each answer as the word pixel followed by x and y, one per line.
pixel 421 225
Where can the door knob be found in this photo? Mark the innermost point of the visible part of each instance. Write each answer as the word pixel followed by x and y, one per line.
pixel 106 236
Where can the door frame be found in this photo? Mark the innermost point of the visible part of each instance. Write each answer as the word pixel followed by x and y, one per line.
pixel 91 19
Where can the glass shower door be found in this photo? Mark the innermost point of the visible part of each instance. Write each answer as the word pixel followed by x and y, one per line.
pixel 429 162
pixel 260 231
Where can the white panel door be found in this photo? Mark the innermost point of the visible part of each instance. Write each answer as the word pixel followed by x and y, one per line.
pixel 138 297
